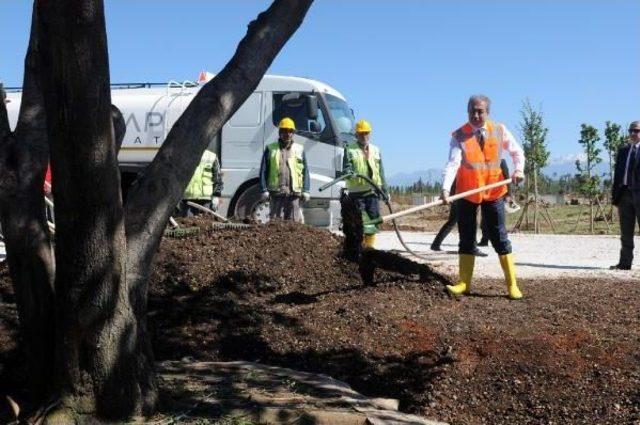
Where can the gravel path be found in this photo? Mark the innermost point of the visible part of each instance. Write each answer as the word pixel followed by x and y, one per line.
pixel 537 256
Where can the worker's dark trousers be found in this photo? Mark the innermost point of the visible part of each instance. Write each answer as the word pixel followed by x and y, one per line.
pixel 285 207
pixel 483 224
pixel 368 203
pixel 483 230
pixel 629 212
pixel 448 226
pixel 493 213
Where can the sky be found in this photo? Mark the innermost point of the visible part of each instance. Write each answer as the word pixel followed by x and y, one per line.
pixel 407 66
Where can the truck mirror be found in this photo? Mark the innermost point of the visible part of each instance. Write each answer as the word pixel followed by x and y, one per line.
pixel 314 126
pixel 312 107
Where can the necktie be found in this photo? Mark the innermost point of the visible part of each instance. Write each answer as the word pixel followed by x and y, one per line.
pixel 632 165
pixel 480 136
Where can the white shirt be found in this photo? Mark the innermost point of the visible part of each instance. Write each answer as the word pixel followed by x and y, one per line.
pixel 626 167
pixel 509 144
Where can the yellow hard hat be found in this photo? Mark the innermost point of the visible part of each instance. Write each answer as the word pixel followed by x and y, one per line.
pixel 287 124
pixel 363 126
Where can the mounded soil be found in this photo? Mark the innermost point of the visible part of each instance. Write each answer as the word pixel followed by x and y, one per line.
pixel 282 294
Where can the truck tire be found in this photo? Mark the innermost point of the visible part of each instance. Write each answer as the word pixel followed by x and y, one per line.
pixel 250 208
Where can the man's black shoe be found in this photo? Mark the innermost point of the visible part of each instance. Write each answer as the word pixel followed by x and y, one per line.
pixel 479 253
pixel 620 267
pixel 435 248
pixel 483 242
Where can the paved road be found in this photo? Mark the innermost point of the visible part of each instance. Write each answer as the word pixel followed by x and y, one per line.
pixel 537 256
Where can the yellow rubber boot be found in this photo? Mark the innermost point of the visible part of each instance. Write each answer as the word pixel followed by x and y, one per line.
pixel 509 269
pixel 466 261
pixel 369 241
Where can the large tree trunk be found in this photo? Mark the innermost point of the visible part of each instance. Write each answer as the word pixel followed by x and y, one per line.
pixel 103 356
pixel 23 160
pixel 99 367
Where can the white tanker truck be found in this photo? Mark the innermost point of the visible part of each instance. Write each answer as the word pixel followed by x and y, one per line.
pixel 324 123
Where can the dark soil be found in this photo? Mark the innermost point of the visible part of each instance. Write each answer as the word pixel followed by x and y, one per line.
pixel 568 353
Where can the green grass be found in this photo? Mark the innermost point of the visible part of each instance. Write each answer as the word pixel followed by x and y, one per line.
pixel 565 217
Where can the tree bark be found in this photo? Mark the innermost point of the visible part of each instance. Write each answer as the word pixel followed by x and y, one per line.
pixel 103 356
pixel 23 160
pixel 99 367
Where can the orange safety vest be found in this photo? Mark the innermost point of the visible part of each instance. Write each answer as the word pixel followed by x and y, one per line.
pixel 480 167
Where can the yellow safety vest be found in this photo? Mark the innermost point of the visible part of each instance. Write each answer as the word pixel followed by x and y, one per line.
pixel 295 164
pixel 201 184
pixel 360 165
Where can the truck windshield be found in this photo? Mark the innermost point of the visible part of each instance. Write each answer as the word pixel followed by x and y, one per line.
pixel 343 117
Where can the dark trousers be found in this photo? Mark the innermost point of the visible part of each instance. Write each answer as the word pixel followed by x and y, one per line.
pixel 368 203
pixel 494 216
pixel 285 207
pixel 629 213
pixel 483 230
pixel 483 223
pixel 448 226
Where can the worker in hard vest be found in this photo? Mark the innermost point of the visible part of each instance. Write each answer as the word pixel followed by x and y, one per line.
pixel 205 186
pixel 362 157
pixel 474 161
pixel 284 174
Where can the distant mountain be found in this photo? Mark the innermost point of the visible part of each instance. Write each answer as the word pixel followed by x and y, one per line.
pixel 567 165
pixel 407 179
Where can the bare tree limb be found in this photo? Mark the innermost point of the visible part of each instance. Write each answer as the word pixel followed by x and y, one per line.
pixel 119 126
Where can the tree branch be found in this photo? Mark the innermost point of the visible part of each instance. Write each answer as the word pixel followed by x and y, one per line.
pixel 119 126
pixel 23 157
pixel 151 201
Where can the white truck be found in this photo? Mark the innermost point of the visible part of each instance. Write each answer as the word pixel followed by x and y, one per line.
pixel 324 123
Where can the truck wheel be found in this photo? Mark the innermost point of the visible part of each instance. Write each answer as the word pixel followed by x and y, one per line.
pixel 249 207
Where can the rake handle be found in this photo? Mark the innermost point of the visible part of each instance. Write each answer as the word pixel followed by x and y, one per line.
pixel 440 202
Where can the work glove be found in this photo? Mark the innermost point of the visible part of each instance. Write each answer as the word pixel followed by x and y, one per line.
pixel 305 197
pixel 215 203
pixel 265 196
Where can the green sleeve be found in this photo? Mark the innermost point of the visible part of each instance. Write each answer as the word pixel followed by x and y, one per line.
pixel 383 178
